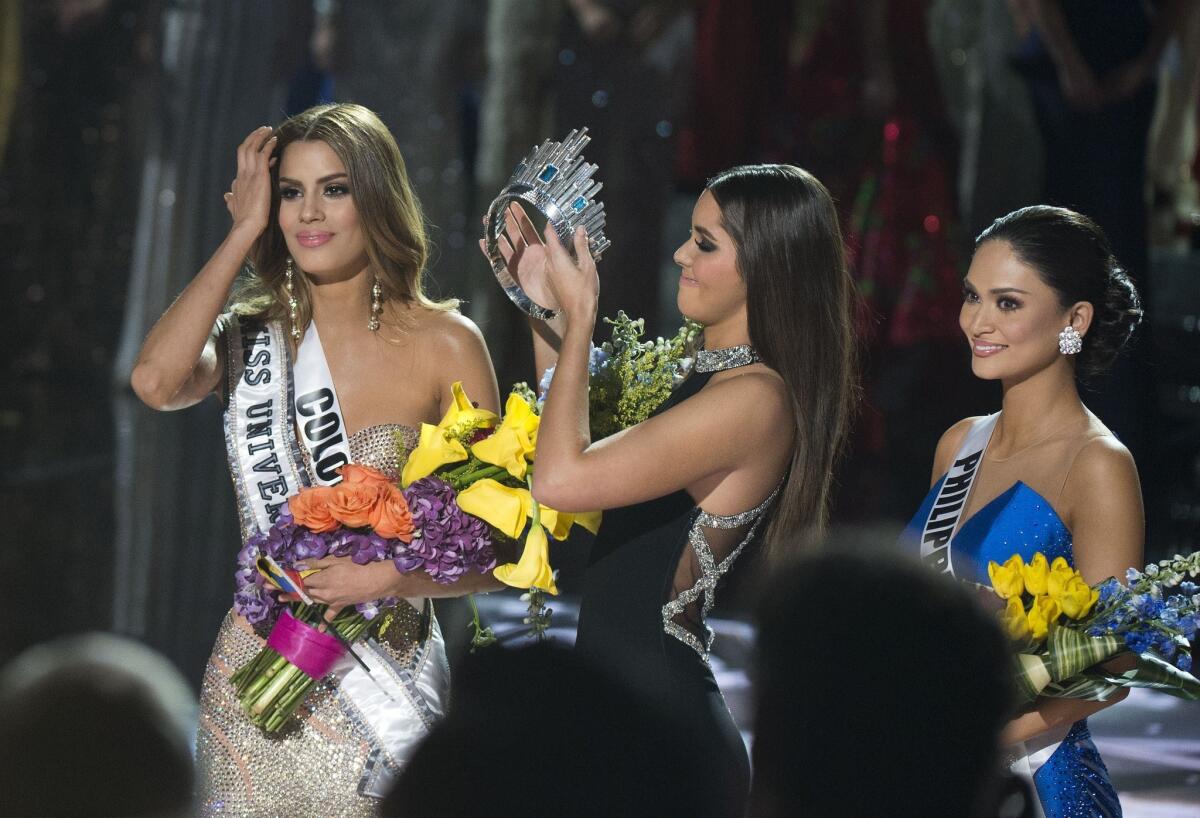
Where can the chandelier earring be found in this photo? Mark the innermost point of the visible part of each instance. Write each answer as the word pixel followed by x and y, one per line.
pixel 293 304
pixel 376 305
pixel 1070 342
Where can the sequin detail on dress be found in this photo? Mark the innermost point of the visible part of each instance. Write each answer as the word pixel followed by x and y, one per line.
pixel 711 571
pixel 322 764
pixel 1072 781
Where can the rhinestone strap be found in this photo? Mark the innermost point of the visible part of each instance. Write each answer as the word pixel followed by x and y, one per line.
pixel 718 360
pixel 711 571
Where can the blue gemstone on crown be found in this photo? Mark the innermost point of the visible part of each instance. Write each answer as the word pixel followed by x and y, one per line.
pixel 548 173
pixel 579 204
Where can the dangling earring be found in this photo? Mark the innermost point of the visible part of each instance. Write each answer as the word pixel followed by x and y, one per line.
pixel 376 306
pixel 1070 341
pixel 293 304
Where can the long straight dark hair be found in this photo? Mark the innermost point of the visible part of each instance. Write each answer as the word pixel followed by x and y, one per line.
pixel 799 304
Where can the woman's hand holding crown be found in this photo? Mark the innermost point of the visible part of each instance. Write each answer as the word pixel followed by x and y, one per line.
pixel 574 282
pixel 249 197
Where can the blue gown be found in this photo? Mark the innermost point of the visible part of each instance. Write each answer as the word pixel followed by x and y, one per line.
pixel 1071 779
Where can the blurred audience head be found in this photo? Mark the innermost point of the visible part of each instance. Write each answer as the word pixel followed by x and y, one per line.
pixel 1070 254
pixel 95 725
pixel 798 298
pixel 533 730
pixel 881 691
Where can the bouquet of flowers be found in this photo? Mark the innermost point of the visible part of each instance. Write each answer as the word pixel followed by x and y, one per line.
pixel 486 463
pixel 629 378
pixel 1065 629
pixel 366 518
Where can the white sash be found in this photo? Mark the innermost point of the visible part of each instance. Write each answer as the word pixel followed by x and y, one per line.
pixel 396 705
pixel 263 459
pixel 952 497
pixel 318 413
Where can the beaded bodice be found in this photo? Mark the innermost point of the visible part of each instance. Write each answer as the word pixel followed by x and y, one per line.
pixel 385 447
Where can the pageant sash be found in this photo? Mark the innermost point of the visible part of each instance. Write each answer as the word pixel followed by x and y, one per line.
pixel 264 461
pixel 952 497
pixel 269 403
pixel 318 413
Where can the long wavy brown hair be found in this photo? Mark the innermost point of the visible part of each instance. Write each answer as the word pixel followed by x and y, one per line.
pixel 391 217
pixel 799 304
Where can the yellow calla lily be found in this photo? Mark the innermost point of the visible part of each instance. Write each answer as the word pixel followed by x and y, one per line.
pixel 1006 579
pixel 434 450
pixel 533 569
pixel 439 445
pixel 518 414
pixel 512 445
pixel 589 520
pixel 558 523
pixel 1014 621
pixel 1077 598
pixel 1044 611
pixel 1035 574
pixel 502 507
pixel 463 415
pixel 507 447
pixel 1061 573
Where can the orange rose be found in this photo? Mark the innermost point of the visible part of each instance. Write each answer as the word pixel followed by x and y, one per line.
pixel 351 503
pixel 310 508
pixel 391 518
pixel 354 473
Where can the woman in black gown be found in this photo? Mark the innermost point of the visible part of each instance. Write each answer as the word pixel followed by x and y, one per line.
pixel 744 447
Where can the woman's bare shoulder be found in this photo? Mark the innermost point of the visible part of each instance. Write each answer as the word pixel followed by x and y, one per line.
pixel 949 444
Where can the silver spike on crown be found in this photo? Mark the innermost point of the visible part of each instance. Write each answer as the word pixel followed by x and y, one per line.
pixel 556 181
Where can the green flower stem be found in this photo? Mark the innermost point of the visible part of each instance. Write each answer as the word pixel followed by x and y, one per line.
pixel 480 474
pixel 281 680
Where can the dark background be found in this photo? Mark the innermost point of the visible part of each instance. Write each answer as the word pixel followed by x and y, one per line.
pixel 118 121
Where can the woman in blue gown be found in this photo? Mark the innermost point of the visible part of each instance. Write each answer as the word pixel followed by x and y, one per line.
pixel 1044 301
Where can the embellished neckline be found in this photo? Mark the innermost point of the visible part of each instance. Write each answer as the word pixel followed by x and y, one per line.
pixel 718 360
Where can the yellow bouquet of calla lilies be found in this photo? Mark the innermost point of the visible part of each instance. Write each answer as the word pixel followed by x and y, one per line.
pixel 1065 630
pixel 488 461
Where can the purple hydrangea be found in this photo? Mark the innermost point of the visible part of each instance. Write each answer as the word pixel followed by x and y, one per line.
pixel 448 542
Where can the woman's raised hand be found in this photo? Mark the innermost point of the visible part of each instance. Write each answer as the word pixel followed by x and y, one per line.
pixel 249 197
pixel 524 255
pixel 574 282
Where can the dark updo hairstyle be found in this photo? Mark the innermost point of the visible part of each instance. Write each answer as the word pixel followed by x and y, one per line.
pixel 1071 254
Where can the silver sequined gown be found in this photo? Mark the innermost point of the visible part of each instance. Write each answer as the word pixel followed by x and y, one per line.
pixel 321 766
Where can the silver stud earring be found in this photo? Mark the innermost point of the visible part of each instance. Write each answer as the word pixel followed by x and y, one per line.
pixel 376 306
pixel 1070 341
pixel 293 304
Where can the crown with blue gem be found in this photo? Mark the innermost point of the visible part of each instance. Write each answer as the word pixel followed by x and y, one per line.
pixel 558 183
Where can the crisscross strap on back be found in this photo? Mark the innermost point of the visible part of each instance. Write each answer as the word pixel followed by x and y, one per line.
pixel 703 566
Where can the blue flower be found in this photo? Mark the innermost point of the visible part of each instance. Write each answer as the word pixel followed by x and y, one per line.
pixel 1188 588
pixel 1110 589
pixel 1147 606
pixel 1184 662
pixel 1139 641
pixel 597 360
pixel 1132 575
pixel 1165 646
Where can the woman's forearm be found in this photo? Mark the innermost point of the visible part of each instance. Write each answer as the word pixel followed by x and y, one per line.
pixel 547 341
pixel 174 347
pixel 420 584
pixel 564 432
pixel 1048 714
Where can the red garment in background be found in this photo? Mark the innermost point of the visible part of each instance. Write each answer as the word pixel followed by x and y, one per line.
pixel 892 176
pixel 739 84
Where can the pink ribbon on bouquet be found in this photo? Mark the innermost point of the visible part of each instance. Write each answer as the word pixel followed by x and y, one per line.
pixel 309 649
